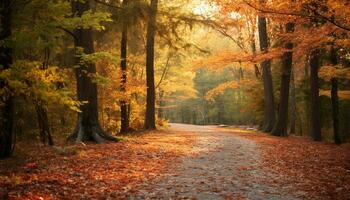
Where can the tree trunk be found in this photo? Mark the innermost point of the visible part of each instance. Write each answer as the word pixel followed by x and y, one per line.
pixel 269 111
pixel 123 65
pixel 7 141
pixel 88 127
pixel 43 122
pixel 253 48
pixel 161 104
pixel 150 122
pixel 335 100
pixel 280 128
pixel 306 98
pixel 41 109
pixel 315 119
pixel 293 105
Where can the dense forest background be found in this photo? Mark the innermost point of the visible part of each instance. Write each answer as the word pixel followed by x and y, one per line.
pixel 243 105
pixel 94 69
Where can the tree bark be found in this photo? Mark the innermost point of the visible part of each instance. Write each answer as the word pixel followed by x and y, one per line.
pixel 150 122
pixel 269 108
pixel 335 100
pixel 7 141
pixel 306 98
pixel 280 128
pixel 123 65
pixel 315 119
pixel 43 122
pixel 253 48
pixel 161 104
pixel 88 127
pixel 41 109
pixel 293 105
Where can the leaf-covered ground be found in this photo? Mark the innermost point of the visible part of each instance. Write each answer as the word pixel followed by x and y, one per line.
pixel 106 171
pixel 320 169
pixel 220 166
pixel 184 162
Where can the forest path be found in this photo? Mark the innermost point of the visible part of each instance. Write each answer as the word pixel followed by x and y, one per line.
pixel 220 166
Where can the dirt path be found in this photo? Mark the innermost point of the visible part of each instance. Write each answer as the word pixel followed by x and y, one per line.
pixel 221 166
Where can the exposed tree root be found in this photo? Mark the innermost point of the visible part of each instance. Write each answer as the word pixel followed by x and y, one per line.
pixel 93 134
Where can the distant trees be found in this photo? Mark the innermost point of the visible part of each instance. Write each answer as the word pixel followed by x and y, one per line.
pixel 318 25
pixel 216 104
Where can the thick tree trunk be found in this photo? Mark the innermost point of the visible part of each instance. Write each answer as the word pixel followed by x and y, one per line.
pixel 7 141
pixel 315 119
pixel 280 128
pixel 269 111
pixel 335 100
pixel 150 121
pixel 88 127
pixel 123 65
pixel 293 105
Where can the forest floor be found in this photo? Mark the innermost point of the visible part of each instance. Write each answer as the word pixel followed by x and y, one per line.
pixel 182 162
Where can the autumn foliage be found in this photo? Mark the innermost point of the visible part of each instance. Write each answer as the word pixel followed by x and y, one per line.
pixel 319 170
pixel 90 171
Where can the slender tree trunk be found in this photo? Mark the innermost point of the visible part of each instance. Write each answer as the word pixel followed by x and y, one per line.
pixel 221 110
pixel 150 121
pixel 88 127
pixel 7 135
pixel 335 100
pixel 43 121
pixel 253 48
pixel 293 105
pixel 161 104
pixel 280 128
pixel 269 111
pixel 123 65
pixel 315 119
pixel 41 109
pixel 306 98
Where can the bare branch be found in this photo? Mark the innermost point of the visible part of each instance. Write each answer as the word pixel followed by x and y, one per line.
pixel 67 31
pixel 224 33
pixel 164 71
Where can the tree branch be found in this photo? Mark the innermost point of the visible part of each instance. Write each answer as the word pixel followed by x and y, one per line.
pixel 224 33
pixel 164 71
pixel 332 21
pixel 67 31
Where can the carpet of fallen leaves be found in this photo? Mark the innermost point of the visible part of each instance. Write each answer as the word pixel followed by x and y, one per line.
pixel 106 171
pixel 320 169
